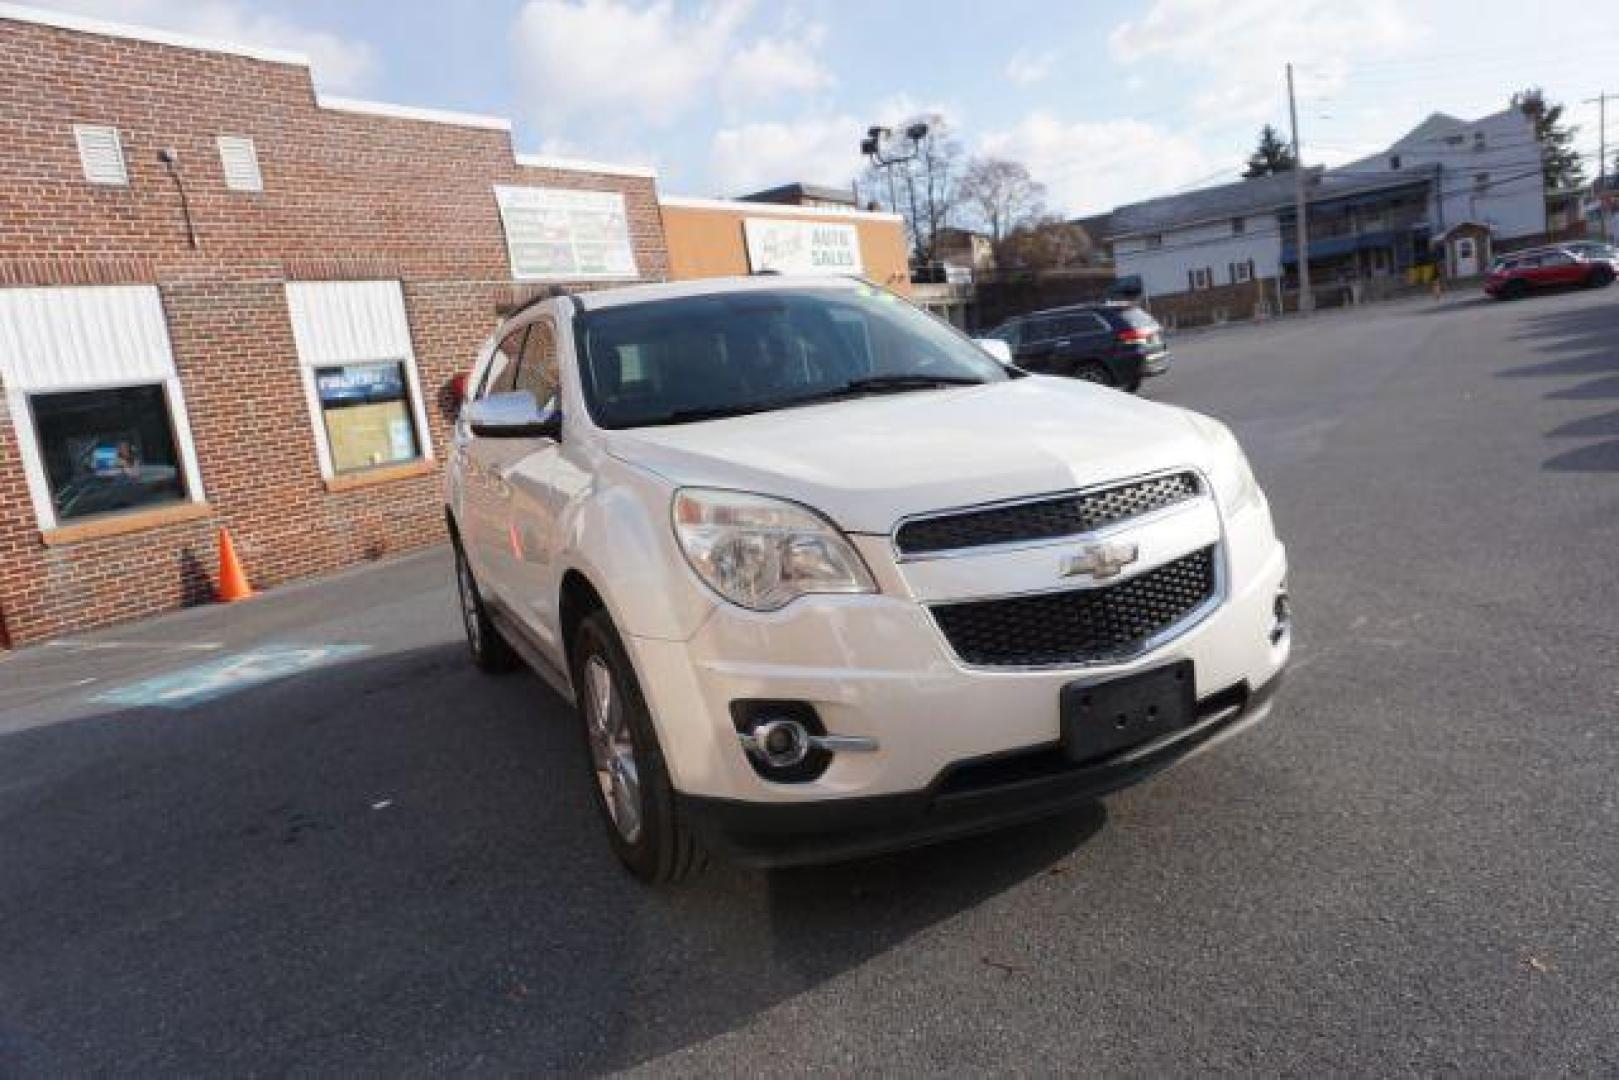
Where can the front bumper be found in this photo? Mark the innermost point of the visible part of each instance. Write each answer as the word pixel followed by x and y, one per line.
pixel 877 667
pixel 970 797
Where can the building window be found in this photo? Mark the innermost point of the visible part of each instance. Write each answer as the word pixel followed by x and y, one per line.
pixel 1481 181
pixel 1455 140
pixel 95 400
pixel 240 160
pixel 1201 278
pixel 1154 241
pixel 1479 142
pixel 107 450
pixel 366 408
pixel 359 371
pixel 101 155
pixel 1242 272
pixel 1394 161
pixel 1239 226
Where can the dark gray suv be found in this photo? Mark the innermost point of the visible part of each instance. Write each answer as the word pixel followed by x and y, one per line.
pixel 1115 344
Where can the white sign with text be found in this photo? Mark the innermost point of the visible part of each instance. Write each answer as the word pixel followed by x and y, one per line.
pixel 802 247
pixel 558 234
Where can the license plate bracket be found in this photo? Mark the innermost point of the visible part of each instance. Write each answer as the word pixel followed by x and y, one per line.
pixel 1102 718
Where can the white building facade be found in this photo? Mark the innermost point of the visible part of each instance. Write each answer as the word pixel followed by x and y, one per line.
pixel 1487 171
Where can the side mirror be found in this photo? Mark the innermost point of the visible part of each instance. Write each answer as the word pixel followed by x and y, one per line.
pixel 513 415
pixel 997 348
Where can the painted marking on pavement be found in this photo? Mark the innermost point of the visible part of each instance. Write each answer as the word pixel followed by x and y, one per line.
pixel 227 675
pixel 140 646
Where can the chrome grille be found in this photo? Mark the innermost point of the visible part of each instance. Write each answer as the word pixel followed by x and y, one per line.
pixel 1045 519
pixel 1079 625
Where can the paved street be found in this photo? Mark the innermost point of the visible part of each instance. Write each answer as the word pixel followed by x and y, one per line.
pixel 375 858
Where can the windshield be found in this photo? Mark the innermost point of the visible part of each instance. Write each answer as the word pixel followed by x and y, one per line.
pixel 702 357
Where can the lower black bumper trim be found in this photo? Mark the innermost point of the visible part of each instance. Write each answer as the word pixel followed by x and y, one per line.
pixel 970 797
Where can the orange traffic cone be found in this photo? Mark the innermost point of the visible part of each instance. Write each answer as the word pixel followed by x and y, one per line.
pixel 233 584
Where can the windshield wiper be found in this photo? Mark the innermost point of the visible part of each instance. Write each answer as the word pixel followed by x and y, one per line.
pixel 713 412
pixel 872 384
pixel 884 384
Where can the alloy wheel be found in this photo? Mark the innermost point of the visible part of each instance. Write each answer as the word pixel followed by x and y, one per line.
pixel 612 750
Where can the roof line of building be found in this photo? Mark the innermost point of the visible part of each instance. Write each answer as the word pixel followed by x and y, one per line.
pixel 1410 177
pixel 83 24
pixel 687 202
pixel 567 164
pixel 413 112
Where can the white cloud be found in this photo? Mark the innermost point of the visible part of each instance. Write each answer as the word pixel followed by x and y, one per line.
pixel 1027 68
pixel 1089 166
pixel 770 67
pixel 620 65
pixel 338 63
pixel 1239 47
pixel 815 149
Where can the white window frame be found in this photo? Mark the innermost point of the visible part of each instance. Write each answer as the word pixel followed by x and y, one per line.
pixel 1202 278
pixel 71 339
pixel 1242 271
pixel 315 308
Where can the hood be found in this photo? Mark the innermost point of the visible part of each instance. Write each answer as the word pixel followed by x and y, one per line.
pixel 868 462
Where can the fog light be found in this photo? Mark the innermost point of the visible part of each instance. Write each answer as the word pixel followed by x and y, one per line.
pixel 1283 610
pixel 786 742
pixel 779 743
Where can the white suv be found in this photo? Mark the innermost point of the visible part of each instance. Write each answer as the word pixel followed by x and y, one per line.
pixel 825 578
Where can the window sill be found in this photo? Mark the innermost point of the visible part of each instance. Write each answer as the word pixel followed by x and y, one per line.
pixel 383 474
pixel 122 524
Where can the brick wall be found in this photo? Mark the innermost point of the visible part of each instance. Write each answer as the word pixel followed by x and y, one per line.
pixel 348 195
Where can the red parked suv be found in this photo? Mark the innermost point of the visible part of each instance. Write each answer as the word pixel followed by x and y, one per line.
pixel 1544 268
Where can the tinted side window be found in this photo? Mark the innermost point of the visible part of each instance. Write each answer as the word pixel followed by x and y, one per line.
pixel 539 374
pixel 1036 331
pixel 501 377
pixel 1082 323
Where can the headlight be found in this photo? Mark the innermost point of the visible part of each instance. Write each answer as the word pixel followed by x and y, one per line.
pixel 1234 485
pixel 762 553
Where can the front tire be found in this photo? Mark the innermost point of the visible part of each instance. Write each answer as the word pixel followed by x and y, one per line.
pixel 628 777
pixel 490 653
pixel 1602 275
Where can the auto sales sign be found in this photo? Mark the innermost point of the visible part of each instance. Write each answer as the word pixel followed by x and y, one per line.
pixel 802 247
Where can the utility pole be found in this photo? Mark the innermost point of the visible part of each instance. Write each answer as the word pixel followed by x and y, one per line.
pixel 1301 236
pixel 1601 102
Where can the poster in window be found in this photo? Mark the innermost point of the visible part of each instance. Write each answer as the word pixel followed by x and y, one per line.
pixel 367 413
pixel 107 450
pixel 554 233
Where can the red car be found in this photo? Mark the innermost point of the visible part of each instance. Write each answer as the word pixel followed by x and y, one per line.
pixel 1545 268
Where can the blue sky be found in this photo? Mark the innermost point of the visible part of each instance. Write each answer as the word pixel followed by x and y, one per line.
pixel 1105 102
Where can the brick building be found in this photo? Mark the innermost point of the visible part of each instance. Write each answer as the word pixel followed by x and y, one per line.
pixel 227 300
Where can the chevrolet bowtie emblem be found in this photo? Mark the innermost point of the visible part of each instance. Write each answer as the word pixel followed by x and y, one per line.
pixel 1102 560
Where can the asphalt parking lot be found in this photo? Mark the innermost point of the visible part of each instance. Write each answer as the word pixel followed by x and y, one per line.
pixel 303 835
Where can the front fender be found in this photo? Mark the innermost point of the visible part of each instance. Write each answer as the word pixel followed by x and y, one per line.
pixel 619 537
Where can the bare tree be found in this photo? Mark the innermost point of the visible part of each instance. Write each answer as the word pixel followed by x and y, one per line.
pixel 924 186
pixel 1045 243
pixel 1001 195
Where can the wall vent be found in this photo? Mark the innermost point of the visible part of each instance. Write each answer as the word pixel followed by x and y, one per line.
pixel 241 163
pixel 102 155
